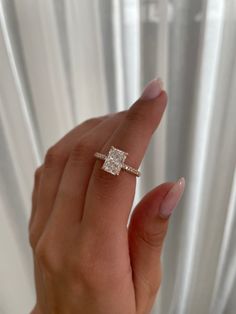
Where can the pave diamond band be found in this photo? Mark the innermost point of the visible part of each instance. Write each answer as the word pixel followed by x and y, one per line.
pixel 114 162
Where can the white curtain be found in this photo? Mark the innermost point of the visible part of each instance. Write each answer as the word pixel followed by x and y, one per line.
pixel 64 61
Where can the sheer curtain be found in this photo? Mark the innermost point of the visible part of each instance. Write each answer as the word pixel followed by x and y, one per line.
pixel 64 61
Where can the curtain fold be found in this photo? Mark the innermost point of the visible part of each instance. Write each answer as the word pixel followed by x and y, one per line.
pixel 65 61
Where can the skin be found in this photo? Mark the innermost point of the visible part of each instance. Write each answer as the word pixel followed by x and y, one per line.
pixel 87 260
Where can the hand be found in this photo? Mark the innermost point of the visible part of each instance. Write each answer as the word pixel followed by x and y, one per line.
pixel 86 259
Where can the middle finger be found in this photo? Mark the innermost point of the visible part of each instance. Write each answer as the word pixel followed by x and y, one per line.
pixel 109 198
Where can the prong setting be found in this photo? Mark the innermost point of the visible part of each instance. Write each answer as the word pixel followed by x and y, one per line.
pixel 114 161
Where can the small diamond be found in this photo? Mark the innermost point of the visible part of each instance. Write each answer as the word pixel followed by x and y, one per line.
pixel 114 161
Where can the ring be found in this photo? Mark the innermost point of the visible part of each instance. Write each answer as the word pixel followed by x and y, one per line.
pixel 114 162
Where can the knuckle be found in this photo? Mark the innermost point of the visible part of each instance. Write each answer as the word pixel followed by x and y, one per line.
pixel 46 257
pixel 94 120
pixel 79 270
pixel 105 183
pixel 153 239
pixel 89 123
pixel 87 264
pixel 136 115
pixel 54 156
pixel 82 150
pixel 39 251
pixel 90 274
pixel 32 238
pixel 37 174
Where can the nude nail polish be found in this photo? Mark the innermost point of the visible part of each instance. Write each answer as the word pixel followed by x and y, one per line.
pixel 172 199
pixel 152 89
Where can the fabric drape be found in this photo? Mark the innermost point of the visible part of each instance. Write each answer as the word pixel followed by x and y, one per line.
pixel 65 61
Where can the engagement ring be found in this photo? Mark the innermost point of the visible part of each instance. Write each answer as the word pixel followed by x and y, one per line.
pixel 114 162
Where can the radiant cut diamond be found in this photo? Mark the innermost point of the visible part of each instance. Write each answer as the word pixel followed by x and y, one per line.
pixel 114 161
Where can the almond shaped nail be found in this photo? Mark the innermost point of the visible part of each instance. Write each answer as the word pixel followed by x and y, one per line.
pixel 153 89
pixel 172 198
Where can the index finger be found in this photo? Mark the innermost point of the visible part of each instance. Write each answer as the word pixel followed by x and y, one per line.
pixel 109 198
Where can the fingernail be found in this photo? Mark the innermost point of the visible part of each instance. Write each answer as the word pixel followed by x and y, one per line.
pixel 172 199
pixel 152 89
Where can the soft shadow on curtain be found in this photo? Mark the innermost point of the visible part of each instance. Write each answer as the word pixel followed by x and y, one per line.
pixel 64 61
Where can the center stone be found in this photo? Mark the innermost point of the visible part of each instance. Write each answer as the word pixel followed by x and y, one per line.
pixel 114 161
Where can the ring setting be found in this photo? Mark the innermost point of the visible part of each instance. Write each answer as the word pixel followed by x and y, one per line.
pixel 114 162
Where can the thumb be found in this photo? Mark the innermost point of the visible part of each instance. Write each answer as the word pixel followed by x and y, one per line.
pixel 147 230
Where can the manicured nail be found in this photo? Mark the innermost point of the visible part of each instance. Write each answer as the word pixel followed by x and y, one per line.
pixel 152 89
pixel 172 198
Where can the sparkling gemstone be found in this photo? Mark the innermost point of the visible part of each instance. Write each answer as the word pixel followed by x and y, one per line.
pixel 114 161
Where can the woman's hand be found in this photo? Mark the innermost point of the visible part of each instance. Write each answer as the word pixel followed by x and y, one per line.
pixel 86 259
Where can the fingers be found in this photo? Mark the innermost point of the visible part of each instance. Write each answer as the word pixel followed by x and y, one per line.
pixel 38 279
pixel 37 178
pixel 47 177
pixel 68 207
pixel 147 230
pixel 71 138
pixel 109 198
